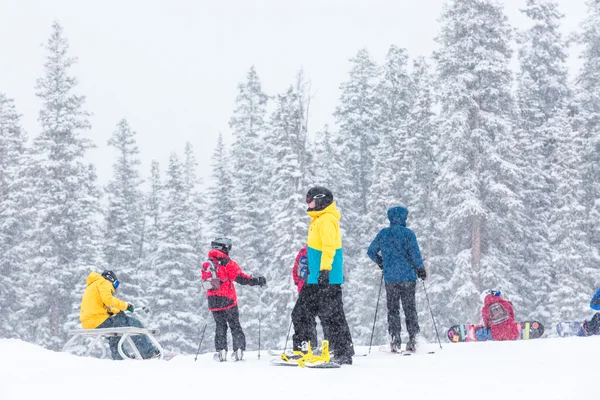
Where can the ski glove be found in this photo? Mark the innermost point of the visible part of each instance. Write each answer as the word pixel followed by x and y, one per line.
pixel 380 262
pixel 260 281
pixel 324 277
pixel 421 273
pixel 130 308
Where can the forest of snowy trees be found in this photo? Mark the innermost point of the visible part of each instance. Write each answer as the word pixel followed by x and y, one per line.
pixel 500 170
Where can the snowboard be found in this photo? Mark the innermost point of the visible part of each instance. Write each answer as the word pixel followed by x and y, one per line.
pixel 479 333
pixel 570 328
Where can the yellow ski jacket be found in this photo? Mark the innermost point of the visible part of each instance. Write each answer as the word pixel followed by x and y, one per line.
pixel 98 302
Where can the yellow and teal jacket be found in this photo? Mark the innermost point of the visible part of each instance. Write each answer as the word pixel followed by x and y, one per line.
pixel 325 245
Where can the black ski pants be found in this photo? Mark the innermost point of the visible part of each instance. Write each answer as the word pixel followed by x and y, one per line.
pixel 230 317
pixel 324 301
pixel 405 292
pixel 593 325
pixel 301 308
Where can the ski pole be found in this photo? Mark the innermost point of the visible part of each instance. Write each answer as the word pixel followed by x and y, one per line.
pixel 288 336
pixel 201 339
pixel 376 308
pixel 431 312
pixel 259 320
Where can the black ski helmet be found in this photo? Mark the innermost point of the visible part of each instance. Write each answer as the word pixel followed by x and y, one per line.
pixel 111 277
pixel 222 243
pixel 322 196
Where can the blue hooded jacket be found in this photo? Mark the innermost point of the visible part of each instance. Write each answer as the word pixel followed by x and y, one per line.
pixel 399 248
pixel 595 303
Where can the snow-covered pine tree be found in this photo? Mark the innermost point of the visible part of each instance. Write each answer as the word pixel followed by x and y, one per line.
pixel 176 292
pixel 479 180
pixel 221 207
pixel 391 166
pixel 124 215
pixel 153 207
pixel 16 218
pixel 195 198
pixel 67 238
pixel 357 140
pixel 325 161
pixel 252 212
pixel 587 126
pixel 553 228
pixel 286 142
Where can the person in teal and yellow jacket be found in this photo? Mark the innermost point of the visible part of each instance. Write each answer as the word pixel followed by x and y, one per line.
pixel 101 309
pixel 322 294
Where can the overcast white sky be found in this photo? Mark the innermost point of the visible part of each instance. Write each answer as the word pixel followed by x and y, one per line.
pixel 171 67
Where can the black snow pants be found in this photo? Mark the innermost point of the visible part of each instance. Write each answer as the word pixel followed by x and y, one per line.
pixel 324 301
pixel 301 308
pixel 230 317
pixel 405 292
pixel 593 325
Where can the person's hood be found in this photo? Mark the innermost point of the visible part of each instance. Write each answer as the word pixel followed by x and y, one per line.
pixel 397 215
pixel 93 277
pixel 490 298
pixel 330 209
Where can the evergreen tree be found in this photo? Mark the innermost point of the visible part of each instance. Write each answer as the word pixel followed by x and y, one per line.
pixel 221 205
pixel 479 180
pixel 153 207
pixel 390 162
pixel 357 141
pixel 176 290
pixel 195 198
pixel 552 160
pixel 587 107
pixel 252 204
pixel 124 216
pixel 16 217
pixel 288 229
pixel 325 163
pixel 67 235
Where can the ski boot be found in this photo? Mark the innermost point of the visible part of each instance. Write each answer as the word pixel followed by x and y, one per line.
pixel 220 355
pixel 238 355
pixel 411 345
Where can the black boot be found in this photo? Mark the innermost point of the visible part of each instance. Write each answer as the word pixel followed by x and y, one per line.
pixel 411 345
pixel 342 359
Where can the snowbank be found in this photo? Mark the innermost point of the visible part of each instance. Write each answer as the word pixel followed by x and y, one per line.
pixel 542 368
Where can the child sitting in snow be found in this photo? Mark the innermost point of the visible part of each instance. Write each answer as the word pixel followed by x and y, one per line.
pixel 592 326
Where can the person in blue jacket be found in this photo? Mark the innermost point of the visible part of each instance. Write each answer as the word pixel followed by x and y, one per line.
pixel 396 252
pixel 592 326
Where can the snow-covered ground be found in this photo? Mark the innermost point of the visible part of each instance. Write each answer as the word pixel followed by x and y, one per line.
pixel 537 369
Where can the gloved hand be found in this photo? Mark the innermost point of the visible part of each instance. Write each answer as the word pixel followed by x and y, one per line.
pixel 130 307
pixel 421 273
pixel 324 277
pixel 260 281
pixel 380 262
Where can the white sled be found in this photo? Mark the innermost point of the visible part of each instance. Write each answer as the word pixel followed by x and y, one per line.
pixel 125 334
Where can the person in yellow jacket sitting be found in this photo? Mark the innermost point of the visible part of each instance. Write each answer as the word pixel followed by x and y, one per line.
pixel 100 309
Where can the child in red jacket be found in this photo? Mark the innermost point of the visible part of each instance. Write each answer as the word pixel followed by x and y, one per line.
pixel 499 317
pixel 218 274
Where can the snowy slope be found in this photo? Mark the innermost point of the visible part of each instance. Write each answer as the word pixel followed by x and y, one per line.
pixel 542 369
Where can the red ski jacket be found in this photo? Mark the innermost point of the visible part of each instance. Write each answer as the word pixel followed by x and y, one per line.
pixel 225 297
pixel 299 282
pixel 498 315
